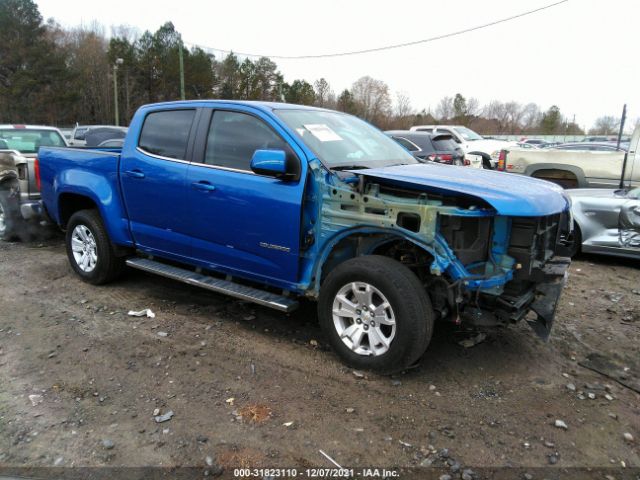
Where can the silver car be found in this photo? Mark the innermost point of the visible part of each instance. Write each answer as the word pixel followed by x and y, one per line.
pixel 606 221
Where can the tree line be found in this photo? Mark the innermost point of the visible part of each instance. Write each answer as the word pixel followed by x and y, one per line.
pixel 58 76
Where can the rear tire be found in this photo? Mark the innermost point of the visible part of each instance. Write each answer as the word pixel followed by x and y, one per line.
pixel 361 329
pixel 89 249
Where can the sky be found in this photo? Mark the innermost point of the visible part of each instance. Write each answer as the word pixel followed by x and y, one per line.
pixel 581 55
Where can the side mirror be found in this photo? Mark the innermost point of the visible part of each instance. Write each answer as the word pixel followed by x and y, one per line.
pixel 272 163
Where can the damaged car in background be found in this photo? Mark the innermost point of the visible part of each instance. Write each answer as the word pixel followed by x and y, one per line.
pixel 274 202
pixel 607 221
pixel 20 209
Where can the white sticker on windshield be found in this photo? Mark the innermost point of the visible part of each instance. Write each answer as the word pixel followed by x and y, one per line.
pixel 323 133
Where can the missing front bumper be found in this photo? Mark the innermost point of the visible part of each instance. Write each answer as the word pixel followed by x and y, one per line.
pixel 548 296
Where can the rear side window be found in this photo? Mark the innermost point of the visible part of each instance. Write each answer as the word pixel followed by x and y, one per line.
pixel 446 143
pixel 406 144
pixel 234 137
pixel 167 133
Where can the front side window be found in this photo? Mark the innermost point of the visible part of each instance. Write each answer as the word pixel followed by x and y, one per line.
pixel 468 134
pixel 166 133
pixel 344 141
pixel 27 140
pixel 234 137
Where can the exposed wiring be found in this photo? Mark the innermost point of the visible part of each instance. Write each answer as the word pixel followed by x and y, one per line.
pixel 389 47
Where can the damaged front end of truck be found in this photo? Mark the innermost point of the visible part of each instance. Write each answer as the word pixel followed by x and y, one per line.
pixel 486 257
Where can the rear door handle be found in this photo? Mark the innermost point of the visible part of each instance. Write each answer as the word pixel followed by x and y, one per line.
pixel 204 186
pixel 134 174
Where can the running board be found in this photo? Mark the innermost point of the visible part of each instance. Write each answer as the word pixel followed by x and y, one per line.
pixel 249 294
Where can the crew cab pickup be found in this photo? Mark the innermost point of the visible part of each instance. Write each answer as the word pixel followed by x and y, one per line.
pixel 272 202
pixel 577 167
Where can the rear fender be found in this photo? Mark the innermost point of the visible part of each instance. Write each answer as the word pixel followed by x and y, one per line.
pixel 100 191
pixel 576 171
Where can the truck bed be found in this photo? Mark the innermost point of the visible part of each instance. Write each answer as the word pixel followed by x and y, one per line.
pixel 591 168
pixel 90 172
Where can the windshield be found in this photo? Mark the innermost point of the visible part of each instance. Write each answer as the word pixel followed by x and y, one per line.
pixel 29 140
pixel 341 140
pixel 468 134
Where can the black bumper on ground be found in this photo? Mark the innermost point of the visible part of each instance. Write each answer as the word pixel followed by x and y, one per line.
pixel 547 295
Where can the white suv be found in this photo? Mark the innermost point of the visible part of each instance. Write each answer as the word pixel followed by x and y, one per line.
pixel 470 141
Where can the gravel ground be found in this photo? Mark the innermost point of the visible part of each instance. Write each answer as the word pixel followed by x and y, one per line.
pixel 80 381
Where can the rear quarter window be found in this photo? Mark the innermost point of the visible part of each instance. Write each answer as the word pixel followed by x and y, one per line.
pixel 166 133
pixel 444 144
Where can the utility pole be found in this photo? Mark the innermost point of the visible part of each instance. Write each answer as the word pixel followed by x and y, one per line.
pixel 626 154
pixel 622 120
pixel 119 61
pixel 181 71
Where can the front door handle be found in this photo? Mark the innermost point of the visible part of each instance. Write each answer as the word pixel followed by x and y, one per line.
pixel 204 186
pixel 134 174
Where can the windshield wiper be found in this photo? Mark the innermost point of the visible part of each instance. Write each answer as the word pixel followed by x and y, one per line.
pixel 349 167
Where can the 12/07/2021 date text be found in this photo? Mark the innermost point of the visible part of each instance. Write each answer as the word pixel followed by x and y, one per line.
pixel 315 473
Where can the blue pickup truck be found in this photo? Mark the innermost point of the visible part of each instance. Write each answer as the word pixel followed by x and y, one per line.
pixel 272 202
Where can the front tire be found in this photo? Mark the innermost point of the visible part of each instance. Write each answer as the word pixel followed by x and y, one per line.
pixel 89 249
pixel 9 218
pixel 376 314
pixel 575 241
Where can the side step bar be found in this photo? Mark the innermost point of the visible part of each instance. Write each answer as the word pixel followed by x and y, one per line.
pixel 249 294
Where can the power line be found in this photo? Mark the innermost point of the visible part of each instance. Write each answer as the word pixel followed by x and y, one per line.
pixel 390 47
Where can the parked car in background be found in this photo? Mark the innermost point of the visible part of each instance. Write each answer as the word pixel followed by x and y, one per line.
pixel 94 136
pixel 599 138
pixel 78 136
pixel 470 142
pixel 590 147
pixel 438 148
pixel 606 221
pixel 538 142
pixel 20 208
pixel 67 133
pixel 272 203
pixel 116 143
pixel 527 145
pixel 576 165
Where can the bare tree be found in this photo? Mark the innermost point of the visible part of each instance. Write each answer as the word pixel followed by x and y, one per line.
pixel 444 110
pixel 531 116
pixel 514 113
pixel 372 99
pixel 473 107
pixel 605 125
pixel 497 111
pixel 323 92
pixel 404 112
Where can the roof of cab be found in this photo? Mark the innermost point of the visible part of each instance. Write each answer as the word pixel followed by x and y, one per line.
pixel 265 106
pixel 20 126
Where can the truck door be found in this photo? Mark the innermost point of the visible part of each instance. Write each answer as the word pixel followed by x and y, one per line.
pixel 153 178
pixel 241 221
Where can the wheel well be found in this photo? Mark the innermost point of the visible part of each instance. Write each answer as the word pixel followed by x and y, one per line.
pixel 70 203
pixel 486 159
pixel 391 246
pixel 564 178
pixel 8 183
pixel 405 252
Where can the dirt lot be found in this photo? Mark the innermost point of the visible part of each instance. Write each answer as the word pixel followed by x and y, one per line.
pixel 251 387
